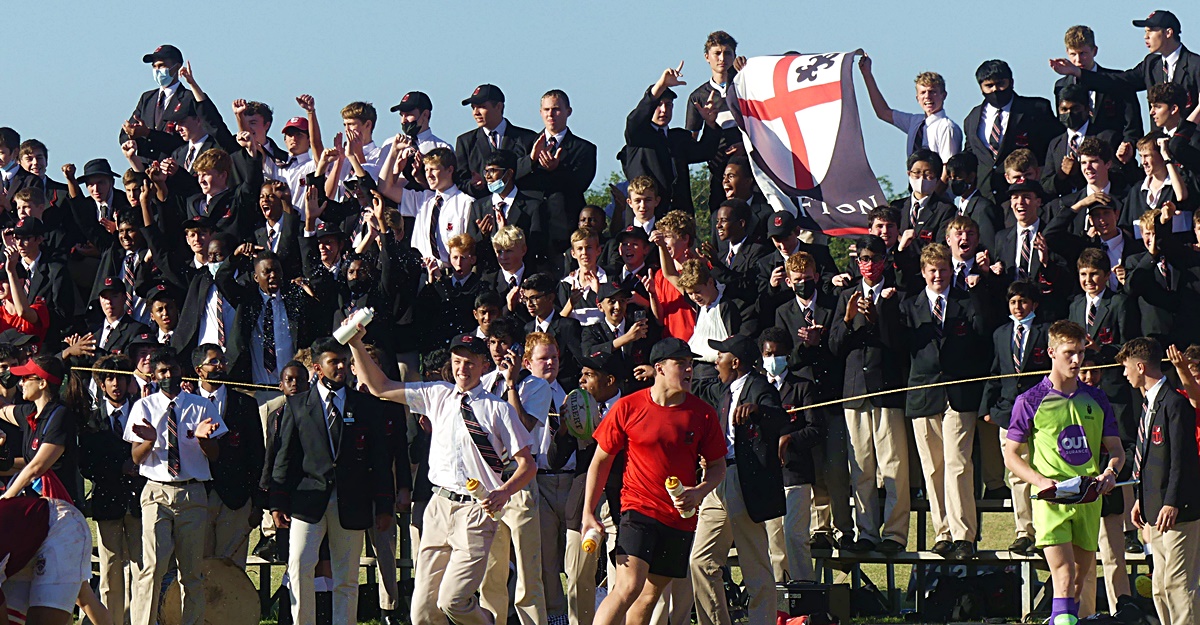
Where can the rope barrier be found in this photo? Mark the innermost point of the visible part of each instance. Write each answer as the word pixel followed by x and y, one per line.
pixel 265 387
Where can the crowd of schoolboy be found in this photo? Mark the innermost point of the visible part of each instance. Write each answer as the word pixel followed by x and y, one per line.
pixel 238 253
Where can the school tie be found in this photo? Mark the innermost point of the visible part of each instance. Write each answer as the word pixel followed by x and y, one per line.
pixel 127 278
pixel 494 139
pixel 939 313
pixel 191 156
pixel 960 278
pixel 1166 70
pixel 808 317
pixel 162 103
pixel 478 435
pixel 1141 440
pixel 919 138
pixel 1018 342
pixel 105 210
pixel 115 421
pixel 501 210
pixel 729 257
pixel 268 335
pixel 551 145
pixel 1026 253
pixel 219 316
pixel 1073 152
pixel 273 236
pixel 913 212
pixel 996 133
pixel 1164 270
pixel 173 459
pixel 1091 316
pixel 333 420
pixel 434 221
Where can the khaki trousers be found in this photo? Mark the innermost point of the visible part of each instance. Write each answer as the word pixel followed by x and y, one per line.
pixel 723 521
pixel 674 605
pixel 120 548
pixel 384 545
pixel 1112 560
pixel 991 458
pixel 454 551
pixel 831 491
pixel 227 532
pixel 1176 556
pixel 879 444
pixel 554 491
pixel 345 547
pixel 173 521
pixel 796 532
pixel 777 546
pixel 1022 506
pixel 944 445
pixel 520 531
pixel 581 566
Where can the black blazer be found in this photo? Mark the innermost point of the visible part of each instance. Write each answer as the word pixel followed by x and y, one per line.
pixel 288 249
pixel 1065 234
pixel 1162 299
pixel 740 277
pixel 163 137
pixel 235 476
pixel 1116 322
pixel 234 210
pixel 569 335
pixel 1169 468
pixel 563 189
pixel 755 444
pixel 51 282
pixel 103 459
pixel 961 350
pixel 527 213
pixel 806 428
pixel 444 310
pixel 931 221
pixel 1147 74
pixel 472 148
pixel 986 215
pixel 1118 111
pixel 872 354
pixel 118 340
pixel 1054 277
pixel 817 362
pixel 307 470
pixel 1057 184
pixel 664 157
pixel 1031 124
pixel 771 298
pixel 599 338
pixel 999 394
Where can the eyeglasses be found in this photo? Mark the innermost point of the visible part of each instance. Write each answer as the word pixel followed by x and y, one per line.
pixel 928 175
pixel 213 362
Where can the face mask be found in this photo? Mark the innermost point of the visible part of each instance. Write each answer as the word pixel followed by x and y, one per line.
pixel 8 380
pixel 998 98
pixel 1074 119
pixel 1015 320
pixel 214 267
pixel 872 270
pixel 331 385
pixel 960 188
pixel 805 289
pixel 358 285
pixel 410 129
pixel 497 186
pixel 217 376
pixel 163 77
pixel 170 385
pixel 921 185
pixel 775 366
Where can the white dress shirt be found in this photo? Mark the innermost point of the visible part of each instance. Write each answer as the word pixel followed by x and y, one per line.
pixel 933 296
pixel 709 325
pixel 1172 60
pixel 217 398
pixel 586 315
pixel 453 456
pixel 537 398
pixel 190 411
pixel 427 141
pixel 452 219
pixel 987 119
pixel 208 318
pixel 283 341
pixel 735 390
pixel 942 135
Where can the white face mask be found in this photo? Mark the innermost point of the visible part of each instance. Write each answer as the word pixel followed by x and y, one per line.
pixel 922 186
pixel 163 77
pixel 775 366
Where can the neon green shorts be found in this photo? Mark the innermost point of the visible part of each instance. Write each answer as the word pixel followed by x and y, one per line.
pixel 1057 524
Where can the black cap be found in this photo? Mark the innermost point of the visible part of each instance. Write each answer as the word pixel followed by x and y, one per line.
pixel 636 232
pixel 196 223
pixel 418 101
pixel 741 346
pixel 158 289
pixel 471 343
pixel 111 283
pixel 670 349
pixel 1100 206
pixel 485 93
pixel 148 338
pixel 165 52
pixel 98 167
pixel 611 289
pixel 1160 19
pixel 1031 186
pixel 326 228
pixel 667 94
pixel 781 224
pixel 29 227
pixel 608 362
pixel 14 337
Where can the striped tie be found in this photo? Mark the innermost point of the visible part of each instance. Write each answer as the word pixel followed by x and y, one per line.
pixel 1026 253
pixel 220 318
pixel 127 278
pixel 939 314
pixel 1018 343
pixel 808 317
pixel 997 132
pixel 1091 316
pixel 1141 441
pixel 173 463
pixel 479 436
pixel 268 336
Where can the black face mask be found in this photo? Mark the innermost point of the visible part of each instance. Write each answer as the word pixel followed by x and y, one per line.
pixel 358 286
pixel 171 385
pixel 960 188
pixel 8 380
pixel 1074 119
pixel 218 376
pixel 410 129
pixel 331 385
pixel 805 289
pixel 999 98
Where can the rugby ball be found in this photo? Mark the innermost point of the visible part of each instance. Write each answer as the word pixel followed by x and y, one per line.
pixel 579 414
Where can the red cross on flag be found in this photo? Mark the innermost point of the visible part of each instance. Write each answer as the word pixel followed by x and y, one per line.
pixel 799 121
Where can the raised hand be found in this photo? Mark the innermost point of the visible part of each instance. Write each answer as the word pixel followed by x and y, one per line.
pixel 1064 67
pixel 68 171
pixel 205 428
pixel 673 76
pixel 239 107
pixel 708 111
pixel 135 129
pixel 306 102
pixel 129 149
pixel 185 74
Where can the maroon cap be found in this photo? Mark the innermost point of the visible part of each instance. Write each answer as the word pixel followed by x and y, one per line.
pixel 299 123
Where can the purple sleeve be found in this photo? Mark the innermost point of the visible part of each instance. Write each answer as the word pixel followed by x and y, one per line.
pixel 1110 418
pixel 1021 422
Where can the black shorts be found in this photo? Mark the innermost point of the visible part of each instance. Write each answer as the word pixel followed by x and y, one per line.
pixel 666 549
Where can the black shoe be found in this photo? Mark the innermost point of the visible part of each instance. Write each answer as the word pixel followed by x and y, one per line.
pixel 943 548
pixel 996 494
pixel 1023 546
pixel 861 545
pixel 890 546
pixel 268 550
pixel 1133 544
pixel 964 550
pixel 822 541
pixel 847 543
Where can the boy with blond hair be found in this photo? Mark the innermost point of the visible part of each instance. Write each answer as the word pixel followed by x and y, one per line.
pixel 1110 110
pixel 716 317
pixel 930 128
pixel 577 291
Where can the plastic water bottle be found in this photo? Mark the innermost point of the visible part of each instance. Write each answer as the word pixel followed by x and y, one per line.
pixel 675 489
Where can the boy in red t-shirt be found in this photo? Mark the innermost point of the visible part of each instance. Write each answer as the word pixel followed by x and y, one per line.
pixel 675 235
pixel 663 430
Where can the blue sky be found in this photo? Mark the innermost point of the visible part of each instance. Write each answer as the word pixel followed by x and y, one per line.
pixel 73 70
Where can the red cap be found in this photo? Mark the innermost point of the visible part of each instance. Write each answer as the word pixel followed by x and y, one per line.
pixel 299 123
pixel 31 368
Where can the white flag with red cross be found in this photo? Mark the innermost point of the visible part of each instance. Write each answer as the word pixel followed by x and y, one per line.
pixel 799 121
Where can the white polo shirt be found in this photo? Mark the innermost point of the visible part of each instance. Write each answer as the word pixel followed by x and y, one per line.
pixel 190 410
pixel 453 456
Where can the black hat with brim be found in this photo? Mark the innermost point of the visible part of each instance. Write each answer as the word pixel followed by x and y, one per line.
pixel 671 349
